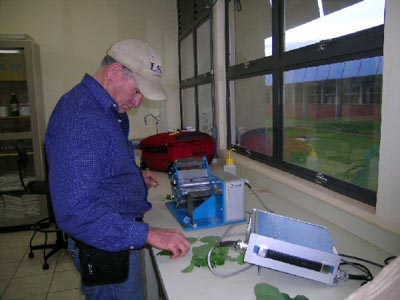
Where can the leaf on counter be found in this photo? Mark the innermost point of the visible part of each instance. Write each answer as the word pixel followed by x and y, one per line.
pixel 192 240
pixel 210 239
pixel 201 251
pixel 286 296
pixel 165 253
pixel 265 291
pixel 188 269
pixel 300 297
pixel 218 257
pixel 240 259
pixel 199 261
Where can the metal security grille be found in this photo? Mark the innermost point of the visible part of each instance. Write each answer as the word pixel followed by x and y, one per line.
pixel 190 14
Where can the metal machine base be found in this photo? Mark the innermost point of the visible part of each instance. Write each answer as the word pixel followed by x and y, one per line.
pixel 181 215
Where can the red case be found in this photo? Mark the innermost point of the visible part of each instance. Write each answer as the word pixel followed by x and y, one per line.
pixel 160 151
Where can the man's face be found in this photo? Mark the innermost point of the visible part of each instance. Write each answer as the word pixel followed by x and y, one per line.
pixel 126 93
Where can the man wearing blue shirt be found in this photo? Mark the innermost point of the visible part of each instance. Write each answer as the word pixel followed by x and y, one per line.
pixel 98 192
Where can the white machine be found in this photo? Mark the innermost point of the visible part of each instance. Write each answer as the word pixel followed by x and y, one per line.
pixel 291 246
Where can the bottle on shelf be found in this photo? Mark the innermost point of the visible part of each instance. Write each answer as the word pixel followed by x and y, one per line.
pixel 14 105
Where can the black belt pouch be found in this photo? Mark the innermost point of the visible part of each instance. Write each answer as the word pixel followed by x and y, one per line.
pixel 100 267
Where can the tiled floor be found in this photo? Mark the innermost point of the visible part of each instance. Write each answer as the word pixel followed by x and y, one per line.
pixel 22 277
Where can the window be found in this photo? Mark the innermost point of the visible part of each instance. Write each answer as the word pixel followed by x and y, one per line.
pixel 206 115
pixel 186 58
pixel 188 108
pixel 196 82
pixel 252 27
pixel 253 128
pixel 310 102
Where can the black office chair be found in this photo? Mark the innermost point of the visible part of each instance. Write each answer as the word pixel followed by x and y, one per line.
pixel 47 225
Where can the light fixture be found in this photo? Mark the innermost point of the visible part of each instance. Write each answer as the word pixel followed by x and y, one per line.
pixel 10 51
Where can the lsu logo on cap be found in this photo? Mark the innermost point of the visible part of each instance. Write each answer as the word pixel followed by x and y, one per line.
pixel 156 68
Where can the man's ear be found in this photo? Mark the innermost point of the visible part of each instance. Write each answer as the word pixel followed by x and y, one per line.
pixel 114 71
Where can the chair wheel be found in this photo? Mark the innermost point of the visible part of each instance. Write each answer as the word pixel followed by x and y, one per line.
pixel 45 266
pixel 31 255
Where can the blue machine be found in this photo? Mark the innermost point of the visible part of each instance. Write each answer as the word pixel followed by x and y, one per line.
pixel 202 200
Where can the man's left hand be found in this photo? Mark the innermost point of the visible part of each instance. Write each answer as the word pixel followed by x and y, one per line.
pixel 150 179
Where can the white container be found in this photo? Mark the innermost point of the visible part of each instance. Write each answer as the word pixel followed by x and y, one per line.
pixel 230 169
pixel 230 166
pixel 24 109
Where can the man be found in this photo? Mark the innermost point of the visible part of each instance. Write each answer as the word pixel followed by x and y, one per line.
pixel 98 192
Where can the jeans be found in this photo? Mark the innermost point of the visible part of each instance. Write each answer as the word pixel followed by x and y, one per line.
pixel 132 288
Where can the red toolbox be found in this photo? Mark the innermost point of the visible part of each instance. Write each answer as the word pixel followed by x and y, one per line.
pixel 160 151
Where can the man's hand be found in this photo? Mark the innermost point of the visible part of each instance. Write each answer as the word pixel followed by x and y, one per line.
pixel 150 179
pixel 169 239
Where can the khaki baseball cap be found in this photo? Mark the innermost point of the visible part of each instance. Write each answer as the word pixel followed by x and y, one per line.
pixel 145 64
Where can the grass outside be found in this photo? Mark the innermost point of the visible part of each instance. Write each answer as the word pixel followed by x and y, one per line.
pixel 347 150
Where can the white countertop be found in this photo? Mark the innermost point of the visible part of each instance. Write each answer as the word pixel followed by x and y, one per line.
pixel 202 284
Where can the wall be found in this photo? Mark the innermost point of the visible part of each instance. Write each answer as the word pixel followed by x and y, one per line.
pixel 388 205
pixel 73 36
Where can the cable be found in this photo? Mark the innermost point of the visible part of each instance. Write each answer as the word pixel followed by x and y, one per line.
pixel 258 197
pixel 225 234
pixel 389 259
pixel 224 244
pixel 367 277
pixel 364 269
pixel 362 259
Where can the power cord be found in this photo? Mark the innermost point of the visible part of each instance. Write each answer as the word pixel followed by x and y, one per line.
pixel 361 259
pixel 239 245
pixel 367 276
pixel 246 182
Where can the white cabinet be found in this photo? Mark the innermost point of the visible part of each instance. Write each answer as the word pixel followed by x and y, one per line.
pixel 20 74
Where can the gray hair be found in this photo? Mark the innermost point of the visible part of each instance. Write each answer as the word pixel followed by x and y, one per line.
pixel 108 60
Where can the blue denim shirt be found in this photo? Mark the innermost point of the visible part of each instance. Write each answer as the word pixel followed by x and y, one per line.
pixel 97 189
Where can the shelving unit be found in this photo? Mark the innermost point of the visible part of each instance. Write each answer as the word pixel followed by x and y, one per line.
pixel 20 74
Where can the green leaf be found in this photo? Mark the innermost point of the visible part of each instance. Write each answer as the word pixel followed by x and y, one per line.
pixel 221 251
pixel 286 296
pixel 192 240
pixel 240 259
pixel 210 239
pixel 218 260
pixel 265 291
pixel 300 297
pixel 218 257
pixel 199 261
pixel 165 252
pixel 201 251
pixel 188 269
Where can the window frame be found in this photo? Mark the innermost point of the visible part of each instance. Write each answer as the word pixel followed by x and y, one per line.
pixel 363 44
pixel 192 14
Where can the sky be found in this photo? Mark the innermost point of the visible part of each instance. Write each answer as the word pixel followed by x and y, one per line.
pixel 362 15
